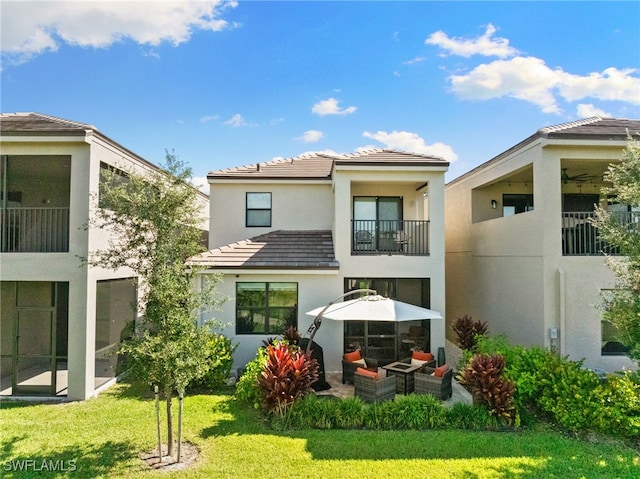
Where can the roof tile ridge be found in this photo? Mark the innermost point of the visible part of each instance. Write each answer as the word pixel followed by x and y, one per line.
pixel 570 124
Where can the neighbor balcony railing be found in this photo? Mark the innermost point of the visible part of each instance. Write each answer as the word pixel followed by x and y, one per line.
pixel 34 230
pixel 581 238
pixel 410 237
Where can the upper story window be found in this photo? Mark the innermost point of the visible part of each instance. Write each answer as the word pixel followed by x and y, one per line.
pixel 512 204
pixel 258 209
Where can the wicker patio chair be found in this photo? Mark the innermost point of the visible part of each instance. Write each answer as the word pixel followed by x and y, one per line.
pixel 371 390
pixel 439 387
pixel 349 368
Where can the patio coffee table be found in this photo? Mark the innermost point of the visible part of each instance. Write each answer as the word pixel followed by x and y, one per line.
pixel 404 374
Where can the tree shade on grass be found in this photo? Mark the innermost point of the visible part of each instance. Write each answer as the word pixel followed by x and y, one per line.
pixel 105 437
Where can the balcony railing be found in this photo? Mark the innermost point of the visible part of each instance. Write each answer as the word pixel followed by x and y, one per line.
pixel 371 237
pixel 34 230
pixel 581 238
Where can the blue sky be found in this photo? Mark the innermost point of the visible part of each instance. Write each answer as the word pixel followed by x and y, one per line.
pixel 233 83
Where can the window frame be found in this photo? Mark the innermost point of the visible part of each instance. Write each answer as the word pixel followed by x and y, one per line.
pixel 248 210
pixel 267 308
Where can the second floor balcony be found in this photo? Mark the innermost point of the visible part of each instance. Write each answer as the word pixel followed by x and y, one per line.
pixel 34 230
pixel 390 237
pixel 581 238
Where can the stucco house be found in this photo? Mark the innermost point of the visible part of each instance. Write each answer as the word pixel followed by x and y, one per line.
pixel 59 319
pixel 520 251
pixel 290 235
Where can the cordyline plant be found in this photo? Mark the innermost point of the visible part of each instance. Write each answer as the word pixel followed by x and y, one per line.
pixel 153 222
pixel 483 377
pixel 467 331
pixel 287 376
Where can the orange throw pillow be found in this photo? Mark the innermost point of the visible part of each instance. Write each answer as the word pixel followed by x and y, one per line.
pixel 354 356
pixel 439 372
pixel 419 355
pixel 366 372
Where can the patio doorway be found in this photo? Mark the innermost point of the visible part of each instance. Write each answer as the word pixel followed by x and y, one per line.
pixel 34 331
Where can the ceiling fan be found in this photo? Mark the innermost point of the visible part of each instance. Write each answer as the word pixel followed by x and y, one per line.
pixel 566 178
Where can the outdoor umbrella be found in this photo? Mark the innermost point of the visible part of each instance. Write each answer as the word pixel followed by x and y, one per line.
pixel 368 308
pixel 374 308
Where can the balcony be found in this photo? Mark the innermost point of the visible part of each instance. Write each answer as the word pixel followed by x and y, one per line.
pixel 391 237
pixel 34 230
pixel 581 238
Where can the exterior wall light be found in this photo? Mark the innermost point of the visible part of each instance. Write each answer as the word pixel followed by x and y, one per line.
pixel 494 204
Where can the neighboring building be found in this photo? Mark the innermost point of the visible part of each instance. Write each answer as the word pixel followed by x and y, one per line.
pixel 59 318
pixel 521 253
pixel 291 235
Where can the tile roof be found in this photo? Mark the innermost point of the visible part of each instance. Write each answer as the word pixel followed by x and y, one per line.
pixel 311 249
pixel 320 165
pixel 26 123
pixel 595 127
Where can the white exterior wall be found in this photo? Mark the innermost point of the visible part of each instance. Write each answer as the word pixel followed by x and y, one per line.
pixel 294 206
pixel 86 155
pixel 319 205
pixel 510 271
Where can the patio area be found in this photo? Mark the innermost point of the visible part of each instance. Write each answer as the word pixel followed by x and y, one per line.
pixel 453 355
pixel 342 391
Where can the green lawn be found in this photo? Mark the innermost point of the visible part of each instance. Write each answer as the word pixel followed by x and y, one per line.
pixel 105 437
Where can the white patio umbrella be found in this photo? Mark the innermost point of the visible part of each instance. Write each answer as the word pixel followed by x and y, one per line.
pixel 374 308
pixel 368 308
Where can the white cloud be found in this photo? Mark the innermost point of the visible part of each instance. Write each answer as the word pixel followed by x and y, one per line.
pixel 331 107
pixel 311 136
pixel 37 27
pixel 530 79
pixel 524 78
pixel 412 142
pixel 208 118
pixel 484 45
pixel 236 121
pixel 414 60
pixel 611 84
pixel 201 183
pixel 587 110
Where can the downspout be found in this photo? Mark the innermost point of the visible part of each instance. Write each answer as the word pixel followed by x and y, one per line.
pixel 562 298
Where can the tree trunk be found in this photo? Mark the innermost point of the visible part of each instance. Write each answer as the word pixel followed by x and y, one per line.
pixel 155 390
pixel 169 398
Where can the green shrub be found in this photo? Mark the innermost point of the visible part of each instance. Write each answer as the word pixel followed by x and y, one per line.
pixel 219 355
pixel 418 411
pixel 315 412
pixel 351 413
pixel 483 377
pixel 381 415
pixel 470 416
pixel 620 412
pixel 286 376
pixel 247 389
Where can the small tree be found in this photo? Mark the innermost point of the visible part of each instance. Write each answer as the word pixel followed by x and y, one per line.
pixel 621 306
pixel 153 223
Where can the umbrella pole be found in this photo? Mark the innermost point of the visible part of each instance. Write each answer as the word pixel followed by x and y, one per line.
pixel 313 329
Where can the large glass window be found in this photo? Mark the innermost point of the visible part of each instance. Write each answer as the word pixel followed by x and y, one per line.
pixel 258 209
pixel 389 341
pixel 115 319
pixel 266 308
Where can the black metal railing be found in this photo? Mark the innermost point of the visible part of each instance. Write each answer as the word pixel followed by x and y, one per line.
pixel 581 238
pixel 34 230
pixel 410 237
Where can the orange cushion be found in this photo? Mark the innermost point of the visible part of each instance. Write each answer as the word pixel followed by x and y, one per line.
pixel 422 356
pixel 354 356
pixel 439 372
pixel 366 372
